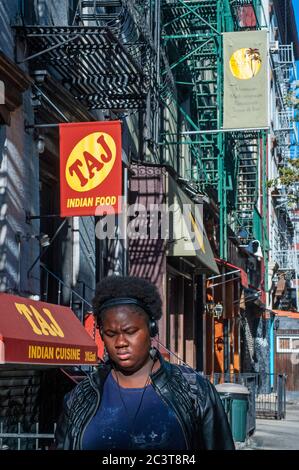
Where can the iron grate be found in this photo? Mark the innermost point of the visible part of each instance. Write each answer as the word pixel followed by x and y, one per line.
pixel 91 62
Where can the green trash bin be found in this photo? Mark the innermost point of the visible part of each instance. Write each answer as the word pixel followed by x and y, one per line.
pixel 235 401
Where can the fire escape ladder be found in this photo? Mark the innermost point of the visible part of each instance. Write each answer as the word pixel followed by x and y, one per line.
pixel 190 29
pixel 247 182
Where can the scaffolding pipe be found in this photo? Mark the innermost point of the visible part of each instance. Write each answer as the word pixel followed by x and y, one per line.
pixel 217 131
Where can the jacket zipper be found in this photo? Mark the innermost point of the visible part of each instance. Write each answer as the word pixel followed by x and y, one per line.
pixel 167 402
pixel 90 418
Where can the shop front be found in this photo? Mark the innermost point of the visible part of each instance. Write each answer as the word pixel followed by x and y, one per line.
pixel 38 342
pixel 223 315
pixel 189 261
pixel 170 247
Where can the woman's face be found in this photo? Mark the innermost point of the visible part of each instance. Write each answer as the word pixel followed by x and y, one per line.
pixel 126 336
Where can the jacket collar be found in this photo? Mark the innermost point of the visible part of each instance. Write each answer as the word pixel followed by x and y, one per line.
pixel 163 374
pixel 98 377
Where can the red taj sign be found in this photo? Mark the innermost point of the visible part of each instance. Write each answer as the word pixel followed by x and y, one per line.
pixel 90 167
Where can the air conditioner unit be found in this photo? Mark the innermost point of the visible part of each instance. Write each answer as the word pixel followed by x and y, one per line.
pixel 274 46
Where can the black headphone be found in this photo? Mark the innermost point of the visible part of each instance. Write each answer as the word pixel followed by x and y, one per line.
pixel 153 329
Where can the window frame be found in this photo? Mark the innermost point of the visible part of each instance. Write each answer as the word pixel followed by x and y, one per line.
pixel 291 338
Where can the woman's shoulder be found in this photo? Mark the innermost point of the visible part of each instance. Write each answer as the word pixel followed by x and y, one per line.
pixel 196 382
pixel 192 376
pixel 86 386
pixel 78 391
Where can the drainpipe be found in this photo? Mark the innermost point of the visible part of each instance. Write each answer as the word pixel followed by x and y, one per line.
pixel 272 350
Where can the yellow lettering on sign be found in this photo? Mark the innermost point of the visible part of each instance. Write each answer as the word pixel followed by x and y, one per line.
pixel 54 323
pixel 67 354
pixel 43 328
pixel 90 161
pixel 105 201
pixel 24 310
pixel 80 202
pixel 90 201
pixel 56 353
pixel 40 352
pixel 90 356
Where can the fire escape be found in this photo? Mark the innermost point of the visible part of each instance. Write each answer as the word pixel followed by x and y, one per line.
pixel 285 128
pixel 103 59
pixel 191 29
pixel 226 165
pixel 286 134
pixel 191 36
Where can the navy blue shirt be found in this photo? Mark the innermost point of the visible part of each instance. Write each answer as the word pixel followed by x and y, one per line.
pixel 113 426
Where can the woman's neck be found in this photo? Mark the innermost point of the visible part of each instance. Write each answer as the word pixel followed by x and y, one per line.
pixel 138 378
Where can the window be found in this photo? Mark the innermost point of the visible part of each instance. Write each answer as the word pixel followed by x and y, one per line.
pixel 287 344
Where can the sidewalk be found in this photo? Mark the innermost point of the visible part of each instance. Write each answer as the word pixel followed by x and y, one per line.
pixel 272 434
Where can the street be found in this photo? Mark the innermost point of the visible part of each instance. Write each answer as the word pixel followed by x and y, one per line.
pixel 272 434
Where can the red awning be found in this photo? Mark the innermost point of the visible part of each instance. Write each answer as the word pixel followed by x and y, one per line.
pixel 34 332
pixel 286 313
pixel 244 277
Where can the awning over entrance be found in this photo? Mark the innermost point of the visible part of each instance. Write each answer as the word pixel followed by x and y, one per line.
pixel 232 267
pixel 286 313
pixel 34 332
pixel 187 235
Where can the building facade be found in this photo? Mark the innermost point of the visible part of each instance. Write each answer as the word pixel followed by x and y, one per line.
pixel 158 67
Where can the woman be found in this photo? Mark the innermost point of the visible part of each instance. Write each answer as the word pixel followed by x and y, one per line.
pixel 136 400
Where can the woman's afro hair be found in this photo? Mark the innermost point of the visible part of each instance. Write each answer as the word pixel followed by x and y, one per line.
pixel 112 287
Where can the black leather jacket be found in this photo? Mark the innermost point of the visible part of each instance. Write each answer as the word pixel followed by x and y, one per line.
pixel 194 400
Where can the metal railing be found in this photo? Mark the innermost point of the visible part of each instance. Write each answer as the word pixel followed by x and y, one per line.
pixel 285 64
pixel 271 400
pixel 267 394
pixel 21 440
pixel 285 121
pixel 286 259
pixel 76 301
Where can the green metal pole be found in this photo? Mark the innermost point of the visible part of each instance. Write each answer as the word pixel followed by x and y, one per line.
pixel 265 208
pixel 222 196
pixel 228 20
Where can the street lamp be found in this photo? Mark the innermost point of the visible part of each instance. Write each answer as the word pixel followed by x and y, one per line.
pixel 218 310
pixel 215 309
pixel 40 144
